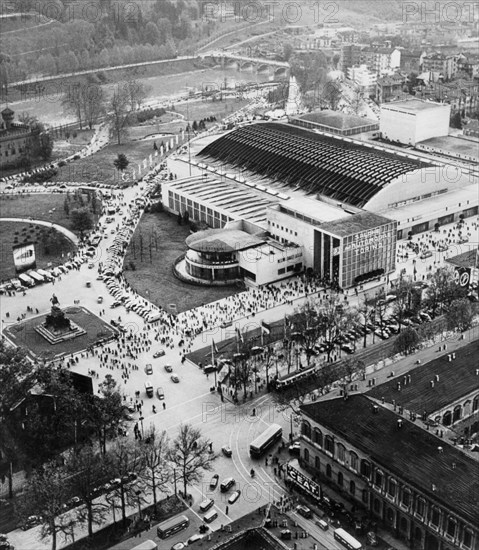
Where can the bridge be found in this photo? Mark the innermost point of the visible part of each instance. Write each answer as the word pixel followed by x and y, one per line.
pixel 244 63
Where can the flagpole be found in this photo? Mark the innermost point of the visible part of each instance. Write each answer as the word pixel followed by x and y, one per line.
pixel 213 362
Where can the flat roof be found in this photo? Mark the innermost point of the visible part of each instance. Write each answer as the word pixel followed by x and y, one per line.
pixel 354 224
pixel 466 259
pixel 410 452
pixel 337 119
pixel 452 144
pixel 456 379
pixel 315 209
pixel 411 105
pixel 222 240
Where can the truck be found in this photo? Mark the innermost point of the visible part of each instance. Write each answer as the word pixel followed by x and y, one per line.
pixel 26 280
pixel 47 276
pixel 149 389
pixel 36 277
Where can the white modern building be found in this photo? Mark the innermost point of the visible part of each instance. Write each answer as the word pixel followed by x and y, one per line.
pixel 414 120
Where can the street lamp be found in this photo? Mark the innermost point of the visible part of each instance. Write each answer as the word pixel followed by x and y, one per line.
pixel 138 493
pixel 141 422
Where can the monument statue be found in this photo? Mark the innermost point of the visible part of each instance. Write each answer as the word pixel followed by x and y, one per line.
pixel 56 321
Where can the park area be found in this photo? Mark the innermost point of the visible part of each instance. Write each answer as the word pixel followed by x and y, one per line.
pixel 24 335
pixel 157 242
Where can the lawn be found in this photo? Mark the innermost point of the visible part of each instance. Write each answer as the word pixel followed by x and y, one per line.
pixel 24 335
pixel 46 256
pixel 99 167
pixel 47 207
pixel 153 277
pixel 204 108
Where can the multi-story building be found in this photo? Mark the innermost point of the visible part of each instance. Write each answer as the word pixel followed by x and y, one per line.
pixel 364 78
pixel 410 61
pixel 14 140
pixel 420 487
pixel 390 88
pixel 461 95
pixel 378 60
pixel 438 62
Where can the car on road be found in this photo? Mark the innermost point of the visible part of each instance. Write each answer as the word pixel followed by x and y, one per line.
pixel 178 546
pixel 100 299
pixel 206 504
pixel 194 538
pixel 304 511
pixel 149 368
pixel 226 450
pixel 115 304
pixel 425 254
pixel 214 481
pixel 234 497
pixel 226 484
pixel 160 393
pixel 30 522
pixel 91 266
pixel 175 378
pixel 159 353
pixel 168 368
pixel 347 348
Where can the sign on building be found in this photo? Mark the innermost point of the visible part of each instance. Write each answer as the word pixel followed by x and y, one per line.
pixel 24 257
pixel 303 481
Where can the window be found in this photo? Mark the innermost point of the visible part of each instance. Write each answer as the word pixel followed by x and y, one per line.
pixel 353 457
pixel 420 507
pixel 306 429
pixel 451 527
pixel 329 444
pixel 340 479
pixel 435 517
pixel 317 463
pixel 364 497
pixel 317 437
pixel 328 470
pixel 352 487
pixel 281 271
pixel 392 488
pixel 378 479
pixel 406 498
pixel 467 539
pixel 341 452
pixel 365 468
pixel 306 455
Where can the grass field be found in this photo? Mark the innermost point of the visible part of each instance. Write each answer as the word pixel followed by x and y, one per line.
pixel 154 279
pixel 24 334
pixel 47 256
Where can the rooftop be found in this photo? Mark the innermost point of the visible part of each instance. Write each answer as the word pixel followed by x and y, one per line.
pixel 355 224
pixel 466 259
pixel 315 209
pixel 409 452
pixel 456 379
pixel 412 105
pixel 222 240
pixel 451 144
pixel 337 119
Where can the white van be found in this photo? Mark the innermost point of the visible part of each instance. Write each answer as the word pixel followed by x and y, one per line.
pixel 210 516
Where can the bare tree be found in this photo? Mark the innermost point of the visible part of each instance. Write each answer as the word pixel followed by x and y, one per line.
pixel 45 495
pixel 157 470
pixel 119 111
pixel 87 470
pixel 136 91
pixel 190 454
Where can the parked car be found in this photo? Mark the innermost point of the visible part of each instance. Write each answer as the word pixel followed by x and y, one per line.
pixel 226 484
pixel 149 369
pixel 206 504
pixel 175 378
pixel 160 393
pixel 304 511
pixel 194 538
pixel 168 368
pixel 214 481
pixel 234 497
pixel 226 450
pixel 158 353
pixel 30 522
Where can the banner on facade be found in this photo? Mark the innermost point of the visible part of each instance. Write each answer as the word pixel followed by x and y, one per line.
pixel 303 481
pixel 24 257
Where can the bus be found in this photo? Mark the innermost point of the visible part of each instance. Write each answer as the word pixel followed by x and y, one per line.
pixel 146 545
pixel 295 377
pixel 347 540
pixel 171 526
pixel 26 280
pixel 36 277
pixel 269 437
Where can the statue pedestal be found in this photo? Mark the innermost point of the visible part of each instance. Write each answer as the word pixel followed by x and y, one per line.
pixel 57 336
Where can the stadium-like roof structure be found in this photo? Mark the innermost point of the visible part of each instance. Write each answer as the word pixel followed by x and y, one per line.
pixel 336 168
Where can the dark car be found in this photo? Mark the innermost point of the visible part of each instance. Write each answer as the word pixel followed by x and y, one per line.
pixel 227 451
pixel 214 481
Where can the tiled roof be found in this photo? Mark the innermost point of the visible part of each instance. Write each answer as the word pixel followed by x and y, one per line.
pixel 450 477
pixel 456 379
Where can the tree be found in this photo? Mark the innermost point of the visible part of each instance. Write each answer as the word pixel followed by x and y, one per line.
pixel 66 207
pixel 154 454
pixel 287 51
pixel 118 107
pixel 190 453
pixel 45 145
pixel 136 92
pixel 456 120
pixel 152 34
pixel 308 324
pixel 125 464
pixel 121 162
pixel 404 298
pixel 81 220
pixel 87 470
pixel 46 491
pixel 407 341
pixel 460 315
pixel 105 411
pixel 443 289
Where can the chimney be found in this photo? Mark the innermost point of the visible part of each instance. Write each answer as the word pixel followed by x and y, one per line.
pixel 434 488
pixel 440 450
pixel 437 377
pixel 375 409
pixel 432 383
pixel 399 424
pixel 453 465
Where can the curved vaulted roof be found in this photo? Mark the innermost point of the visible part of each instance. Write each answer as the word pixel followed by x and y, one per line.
pixel 338 169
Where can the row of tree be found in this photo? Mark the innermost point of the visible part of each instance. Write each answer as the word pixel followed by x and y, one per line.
pixel 85 486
